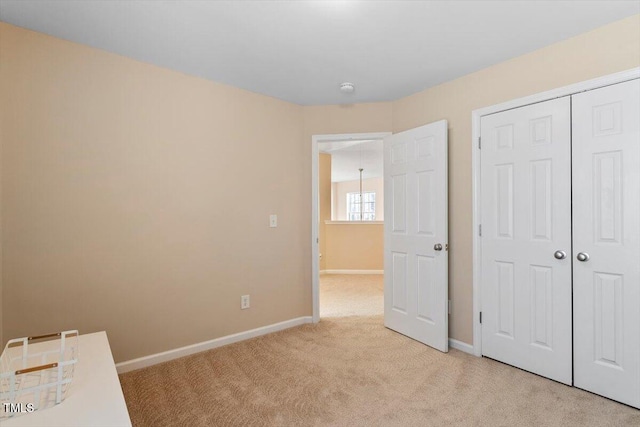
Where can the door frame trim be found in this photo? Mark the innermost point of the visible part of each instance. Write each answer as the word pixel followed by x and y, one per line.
pixel 315 250
pixel 476 116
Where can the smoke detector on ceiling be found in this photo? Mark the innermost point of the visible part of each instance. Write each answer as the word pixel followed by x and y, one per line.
pixel 347 87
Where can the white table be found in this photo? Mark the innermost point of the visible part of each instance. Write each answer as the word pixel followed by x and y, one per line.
pixel 95 397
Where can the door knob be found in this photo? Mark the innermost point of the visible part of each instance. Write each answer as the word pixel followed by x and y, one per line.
pixel 583 257
pixel 437 247
pixel 560 254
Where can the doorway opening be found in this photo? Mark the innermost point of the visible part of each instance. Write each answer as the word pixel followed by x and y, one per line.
pixel 347 224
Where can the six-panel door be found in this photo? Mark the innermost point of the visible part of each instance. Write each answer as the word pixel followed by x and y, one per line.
pixel 415 234
pixel 606 230
pixel 526 238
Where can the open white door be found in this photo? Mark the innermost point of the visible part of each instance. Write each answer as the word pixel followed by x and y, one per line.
pixel 416 234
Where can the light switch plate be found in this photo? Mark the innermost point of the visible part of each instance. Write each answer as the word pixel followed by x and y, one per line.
pixel 245 302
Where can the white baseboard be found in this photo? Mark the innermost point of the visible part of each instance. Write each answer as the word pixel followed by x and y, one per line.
pixel 153 359
pixel 462 346
pixel 352 272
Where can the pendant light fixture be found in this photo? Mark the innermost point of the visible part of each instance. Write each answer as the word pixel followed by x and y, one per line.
pixel 361 199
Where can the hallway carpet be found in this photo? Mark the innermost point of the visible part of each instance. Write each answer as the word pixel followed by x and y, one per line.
pixel 352 371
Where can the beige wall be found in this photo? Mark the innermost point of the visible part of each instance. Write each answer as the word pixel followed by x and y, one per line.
pixel 324 208
pixel 117 208
pixel 355 246
pixel 349 118
pixel 339 192
pixel 606 50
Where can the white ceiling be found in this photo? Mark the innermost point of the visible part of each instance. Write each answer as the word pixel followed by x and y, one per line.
pixel 347 157
pixel 300 51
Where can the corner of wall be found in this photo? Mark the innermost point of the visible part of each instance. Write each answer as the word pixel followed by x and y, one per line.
pixel 154 147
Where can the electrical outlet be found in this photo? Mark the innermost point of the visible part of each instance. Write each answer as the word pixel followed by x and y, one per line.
pixel 273 220
pixel 245 302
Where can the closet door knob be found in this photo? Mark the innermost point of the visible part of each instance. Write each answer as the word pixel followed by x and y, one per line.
pixel 437 247
pixel 560 254
pixel 583 257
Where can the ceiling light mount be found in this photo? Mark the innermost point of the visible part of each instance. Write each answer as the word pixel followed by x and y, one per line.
pixel 347 87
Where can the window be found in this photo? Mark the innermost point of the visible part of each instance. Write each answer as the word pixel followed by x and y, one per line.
pixel 368 206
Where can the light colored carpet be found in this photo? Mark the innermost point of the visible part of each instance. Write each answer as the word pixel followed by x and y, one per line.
pixel 351 371
pixel 343 295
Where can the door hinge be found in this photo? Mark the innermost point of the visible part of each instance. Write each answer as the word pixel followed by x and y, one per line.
pixel 481 318
pixel 479 143
pixel 480 230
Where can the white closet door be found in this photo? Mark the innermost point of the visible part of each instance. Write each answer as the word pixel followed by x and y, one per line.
pixel 526 238
pixel 606 229
pixel 416 234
